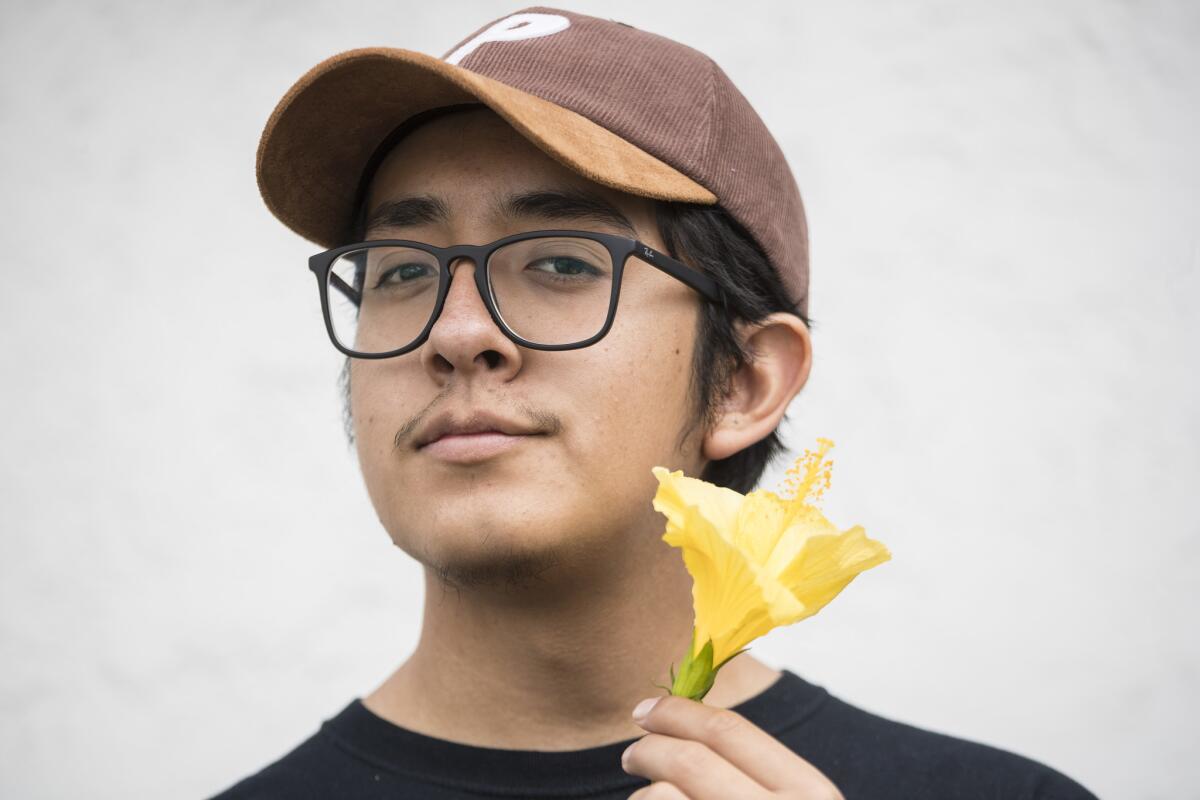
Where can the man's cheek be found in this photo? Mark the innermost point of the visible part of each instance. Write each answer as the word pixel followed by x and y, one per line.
pixel 374 450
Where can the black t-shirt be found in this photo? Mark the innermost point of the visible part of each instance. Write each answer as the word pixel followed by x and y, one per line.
pixel 357 754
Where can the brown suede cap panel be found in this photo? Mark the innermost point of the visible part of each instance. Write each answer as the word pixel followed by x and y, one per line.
pixel 622 107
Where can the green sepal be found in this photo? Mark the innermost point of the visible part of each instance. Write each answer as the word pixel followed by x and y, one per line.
pixel 696 674
pixel 666 688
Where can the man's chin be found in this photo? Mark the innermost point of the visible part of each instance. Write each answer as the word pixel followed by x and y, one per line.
pixel 506 571
pixel 492 561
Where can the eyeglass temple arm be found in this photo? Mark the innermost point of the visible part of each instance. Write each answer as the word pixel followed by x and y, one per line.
pixel 346 289
pixel 697 280
pixel 320 267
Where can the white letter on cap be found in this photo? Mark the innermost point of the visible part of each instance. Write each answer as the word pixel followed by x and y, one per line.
pixel 511 29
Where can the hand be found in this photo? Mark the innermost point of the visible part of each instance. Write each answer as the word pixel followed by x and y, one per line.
pixel 697 752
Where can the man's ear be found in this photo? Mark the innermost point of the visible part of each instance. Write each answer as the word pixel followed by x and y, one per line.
pixel 780 350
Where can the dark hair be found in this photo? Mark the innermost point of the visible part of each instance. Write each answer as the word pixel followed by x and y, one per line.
pixel 709 239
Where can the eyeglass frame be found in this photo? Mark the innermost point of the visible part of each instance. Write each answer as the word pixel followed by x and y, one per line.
pixel 620 248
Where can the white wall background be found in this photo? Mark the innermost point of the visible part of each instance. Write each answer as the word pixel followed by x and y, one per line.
pixel 1004 201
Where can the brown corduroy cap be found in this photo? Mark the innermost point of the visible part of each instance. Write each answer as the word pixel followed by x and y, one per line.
pixel 624 108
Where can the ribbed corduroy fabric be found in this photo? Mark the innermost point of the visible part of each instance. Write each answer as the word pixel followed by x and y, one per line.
pixel 675 103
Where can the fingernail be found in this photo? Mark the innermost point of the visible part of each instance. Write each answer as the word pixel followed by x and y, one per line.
pixel 643 708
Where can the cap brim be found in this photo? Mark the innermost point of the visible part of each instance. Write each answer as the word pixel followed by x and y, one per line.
pixel 323 132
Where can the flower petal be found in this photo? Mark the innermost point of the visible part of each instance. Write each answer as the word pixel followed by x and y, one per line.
pixel 718 504
pixel 734 600
pixel 827 563
pixel 725 594
pixel 759 561
pixel 762 527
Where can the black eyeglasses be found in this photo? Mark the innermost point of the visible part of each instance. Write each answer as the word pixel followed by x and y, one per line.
pixel 547 290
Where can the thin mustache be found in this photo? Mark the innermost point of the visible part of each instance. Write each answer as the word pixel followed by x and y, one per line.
pixel 543 421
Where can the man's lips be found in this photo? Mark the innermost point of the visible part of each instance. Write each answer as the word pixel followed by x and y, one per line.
pixel 465 435
pixel 471 422
pixel 462 448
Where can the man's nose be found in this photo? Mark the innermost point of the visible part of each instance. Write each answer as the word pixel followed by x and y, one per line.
pixel 463 297
pixel 465 338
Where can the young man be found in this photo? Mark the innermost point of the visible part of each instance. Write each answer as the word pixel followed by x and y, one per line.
pixel 507 412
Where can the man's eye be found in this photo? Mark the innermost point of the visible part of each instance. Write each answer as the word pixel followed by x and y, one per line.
pixel 563 265
pixel 402 274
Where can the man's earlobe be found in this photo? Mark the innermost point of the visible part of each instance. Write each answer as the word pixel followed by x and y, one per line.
pixel 762 389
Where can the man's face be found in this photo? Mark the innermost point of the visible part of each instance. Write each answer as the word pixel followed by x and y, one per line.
pixel 578 486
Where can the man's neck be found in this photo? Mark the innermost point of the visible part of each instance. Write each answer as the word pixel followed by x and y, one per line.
pixel 555 668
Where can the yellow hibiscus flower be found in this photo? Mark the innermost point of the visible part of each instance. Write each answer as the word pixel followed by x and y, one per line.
pixel 757 561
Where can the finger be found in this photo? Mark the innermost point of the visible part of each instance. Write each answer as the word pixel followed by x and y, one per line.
pixel 695 770
pixel 659 790
pixel 738 741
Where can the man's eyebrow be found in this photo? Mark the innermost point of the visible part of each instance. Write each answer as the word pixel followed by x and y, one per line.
pixel 407 211
pixel 547 204
pixel 565 204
